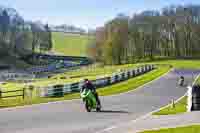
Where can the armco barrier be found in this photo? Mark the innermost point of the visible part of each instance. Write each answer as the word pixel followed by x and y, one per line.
pixel 100 82
pixel 84 61
pixel 15 76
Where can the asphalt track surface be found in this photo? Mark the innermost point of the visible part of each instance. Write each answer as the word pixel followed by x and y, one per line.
pixel 71 117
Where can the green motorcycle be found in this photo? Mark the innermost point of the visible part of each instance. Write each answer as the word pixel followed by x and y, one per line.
pixel 90 100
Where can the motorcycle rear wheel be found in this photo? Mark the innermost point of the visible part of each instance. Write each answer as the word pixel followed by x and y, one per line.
pixel 98 109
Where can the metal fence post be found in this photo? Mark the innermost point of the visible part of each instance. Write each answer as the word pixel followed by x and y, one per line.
pixel 23 93
pixel 172 104
pixel 0 93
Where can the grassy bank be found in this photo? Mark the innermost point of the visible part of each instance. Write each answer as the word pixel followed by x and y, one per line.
pixel 114 89
pixel 71 76
pixel 125 86
pixel 133 83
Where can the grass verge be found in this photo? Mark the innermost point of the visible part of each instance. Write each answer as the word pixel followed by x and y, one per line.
pixel 133 83
pixel 71 76
pixel 187 129
pixel 180 106
pixel 114 89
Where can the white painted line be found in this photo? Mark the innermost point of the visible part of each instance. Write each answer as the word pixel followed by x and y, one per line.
pixel 36 105
pixel 107 129
pixel 148 114
pixel 56 102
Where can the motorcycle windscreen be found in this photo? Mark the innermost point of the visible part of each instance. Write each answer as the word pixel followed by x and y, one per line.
pixel 84 94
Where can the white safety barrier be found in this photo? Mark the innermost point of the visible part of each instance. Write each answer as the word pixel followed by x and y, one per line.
pixel 99 82
pixel 189 99
pixel 193 101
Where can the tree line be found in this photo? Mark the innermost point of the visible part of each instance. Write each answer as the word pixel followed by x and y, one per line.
pixel 171 32
pixel 19 37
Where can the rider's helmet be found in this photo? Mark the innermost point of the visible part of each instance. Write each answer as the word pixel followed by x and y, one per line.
pixel 86 80
pixel 182 77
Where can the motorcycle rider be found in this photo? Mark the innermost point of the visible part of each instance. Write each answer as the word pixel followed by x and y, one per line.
pixel 181 80
pixel 88 85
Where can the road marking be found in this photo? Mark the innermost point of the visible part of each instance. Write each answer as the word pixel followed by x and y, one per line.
pixel 148 114
pixel 56 102
pixel 107 129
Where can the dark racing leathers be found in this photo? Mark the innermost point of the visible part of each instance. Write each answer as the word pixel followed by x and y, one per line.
pixel 90 86
pixel 181 81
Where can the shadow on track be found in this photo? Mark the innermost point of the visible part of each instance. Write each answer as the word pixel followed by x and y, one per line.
pixel 114 111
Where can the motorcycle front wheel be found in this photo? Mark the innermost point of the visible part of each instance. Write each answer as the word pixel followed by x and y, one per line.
pixel 87 107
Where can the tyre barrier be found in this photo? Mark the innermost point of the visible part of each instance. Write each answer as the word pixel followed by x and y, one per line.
pixel 16 76
pixel 51 66
pixel 58 57
pixel 56 90
pixel 84 61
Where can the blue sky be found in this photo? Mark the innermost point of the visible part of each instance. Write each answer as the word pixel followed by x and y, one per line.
pixel 84 13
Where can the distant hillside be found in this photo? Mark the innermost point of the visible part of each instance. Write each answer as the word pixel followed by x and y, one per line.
pixel 70 44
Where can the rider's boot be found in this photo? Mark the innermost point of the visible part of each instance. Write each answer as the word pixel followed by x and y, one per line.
pixel 98 100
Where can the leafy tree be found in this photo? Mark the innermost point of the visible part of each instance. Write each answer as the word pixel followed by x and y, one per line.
pixel 172 32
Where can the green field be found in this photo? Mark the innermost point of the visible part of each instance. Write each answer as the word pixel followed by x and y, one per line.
pixel 188 129
pixel 180 64
pixel 71 45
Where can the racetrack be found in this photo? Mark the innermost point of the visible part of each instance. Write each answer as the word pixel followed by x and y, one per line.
pixel 71 117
